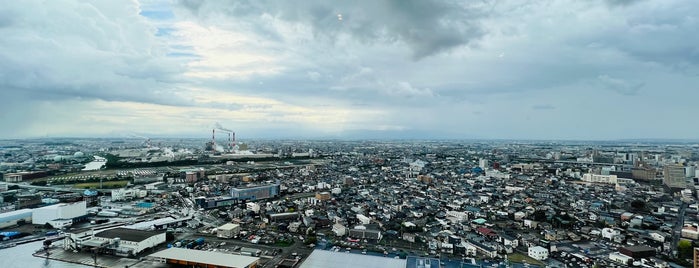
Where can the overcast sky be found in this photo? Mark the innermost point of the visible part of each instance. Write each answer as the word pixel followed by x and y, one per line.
pixel 567 69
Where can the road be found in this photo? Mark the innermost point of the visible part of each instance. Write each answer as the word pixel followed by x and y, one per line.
pixel 677 231
pixel 45 188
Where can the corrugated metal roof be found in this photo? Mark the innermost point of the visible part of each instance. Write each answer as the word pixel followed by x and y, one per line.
pixel 325 258
pixel 208 257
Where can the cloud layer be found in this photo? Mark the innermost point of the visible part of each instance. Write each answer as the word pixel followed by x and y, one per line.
pixel 440 68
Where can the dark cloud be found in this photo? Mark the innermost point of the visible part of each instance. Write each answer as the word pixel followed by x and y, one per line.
pixel 427 27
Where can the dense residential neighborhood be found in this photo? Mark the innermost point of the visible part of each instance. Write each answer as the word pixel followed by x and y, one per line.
pixel 508 203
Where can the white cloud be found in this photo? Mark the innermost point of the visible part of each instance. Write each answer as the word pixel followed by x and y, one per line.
pixel 435 67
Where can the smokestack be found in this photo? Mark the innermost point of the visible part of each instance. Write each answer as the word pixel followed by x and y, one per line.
pixel 213 135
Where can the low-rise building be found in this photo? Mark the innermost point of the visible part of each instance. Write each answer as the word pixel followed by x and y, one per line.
pixel 690 231
pixel 228 230
pixel 125 242
pixel 538 253
pixel 339 229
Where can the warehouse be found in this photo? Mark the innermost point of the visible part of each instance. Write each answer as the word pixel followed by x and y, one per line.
pixel 65 211
pixel 325 258
pixel 11 218
pixel 638 252
pixel 209 259
pixel 125 242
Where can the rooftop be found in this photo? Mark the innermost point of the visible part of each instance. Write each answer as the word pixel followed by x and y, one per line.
pixel 228 226
pixel 127 234
pixel 324 258
pixel 205 257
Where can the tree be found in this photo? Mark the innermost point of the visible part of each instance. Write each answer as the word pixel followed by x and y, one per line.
pixel 638 205
pixel 684 249
pixel 539 215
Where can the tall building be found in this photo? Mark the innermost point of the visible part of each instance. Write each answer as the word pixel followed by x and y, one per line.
pixel 256 192
pixel 643 172
pixel 483 163
pixel 673 176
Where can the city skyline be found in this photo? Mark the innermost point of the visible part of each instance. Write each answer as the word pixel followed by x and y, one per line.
pixel 547 70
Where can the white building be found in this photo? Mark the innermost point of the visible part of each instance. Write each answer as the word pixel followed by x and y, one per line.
pixel 620 258
pixel 657 237
pixel 128 194
pixel 126 242
pixel 363 219
pixel 690 231
pixel 252 206
pixel 608 179
pixel 607 170
pixel 228 230
pixel 339 229
pixel 610 233
pixel 62 211
pixel 538 252
pixel 483 163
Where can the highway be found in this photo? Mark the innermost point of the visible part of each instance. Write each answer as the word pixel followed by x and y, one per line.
pixel 45 188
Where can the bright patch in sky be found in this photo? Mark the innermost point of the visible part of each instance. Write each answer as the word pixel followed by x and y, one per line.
pixel 598 69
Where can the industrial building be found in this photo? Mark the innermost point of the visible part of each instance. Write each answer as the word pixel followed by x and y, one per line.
pixel 284 217
pixel 128 194
pixel 60 215
pixel 199 258
pixel 160 224
pixel 256 192
pixel 125 242
pixel 638 252
pixel 214 202
pixel 15 217
pixel 325 258
pixel 228 230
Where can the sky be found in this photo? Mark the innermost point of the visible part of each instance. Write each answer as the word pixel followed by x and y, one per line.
pixel 482 69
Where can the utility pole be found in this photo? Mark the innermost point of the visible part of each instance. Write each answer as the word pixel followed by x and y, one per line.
pixel 94 256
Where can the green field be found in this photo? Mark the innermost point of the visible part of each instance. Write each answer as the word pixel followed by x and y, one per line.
pixel 106 184
pixel 520 258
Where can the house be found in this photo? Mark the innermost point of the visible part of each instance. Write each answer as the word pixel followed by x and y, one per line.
pixel 476 248
pixel 409 237
pixel 508 240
